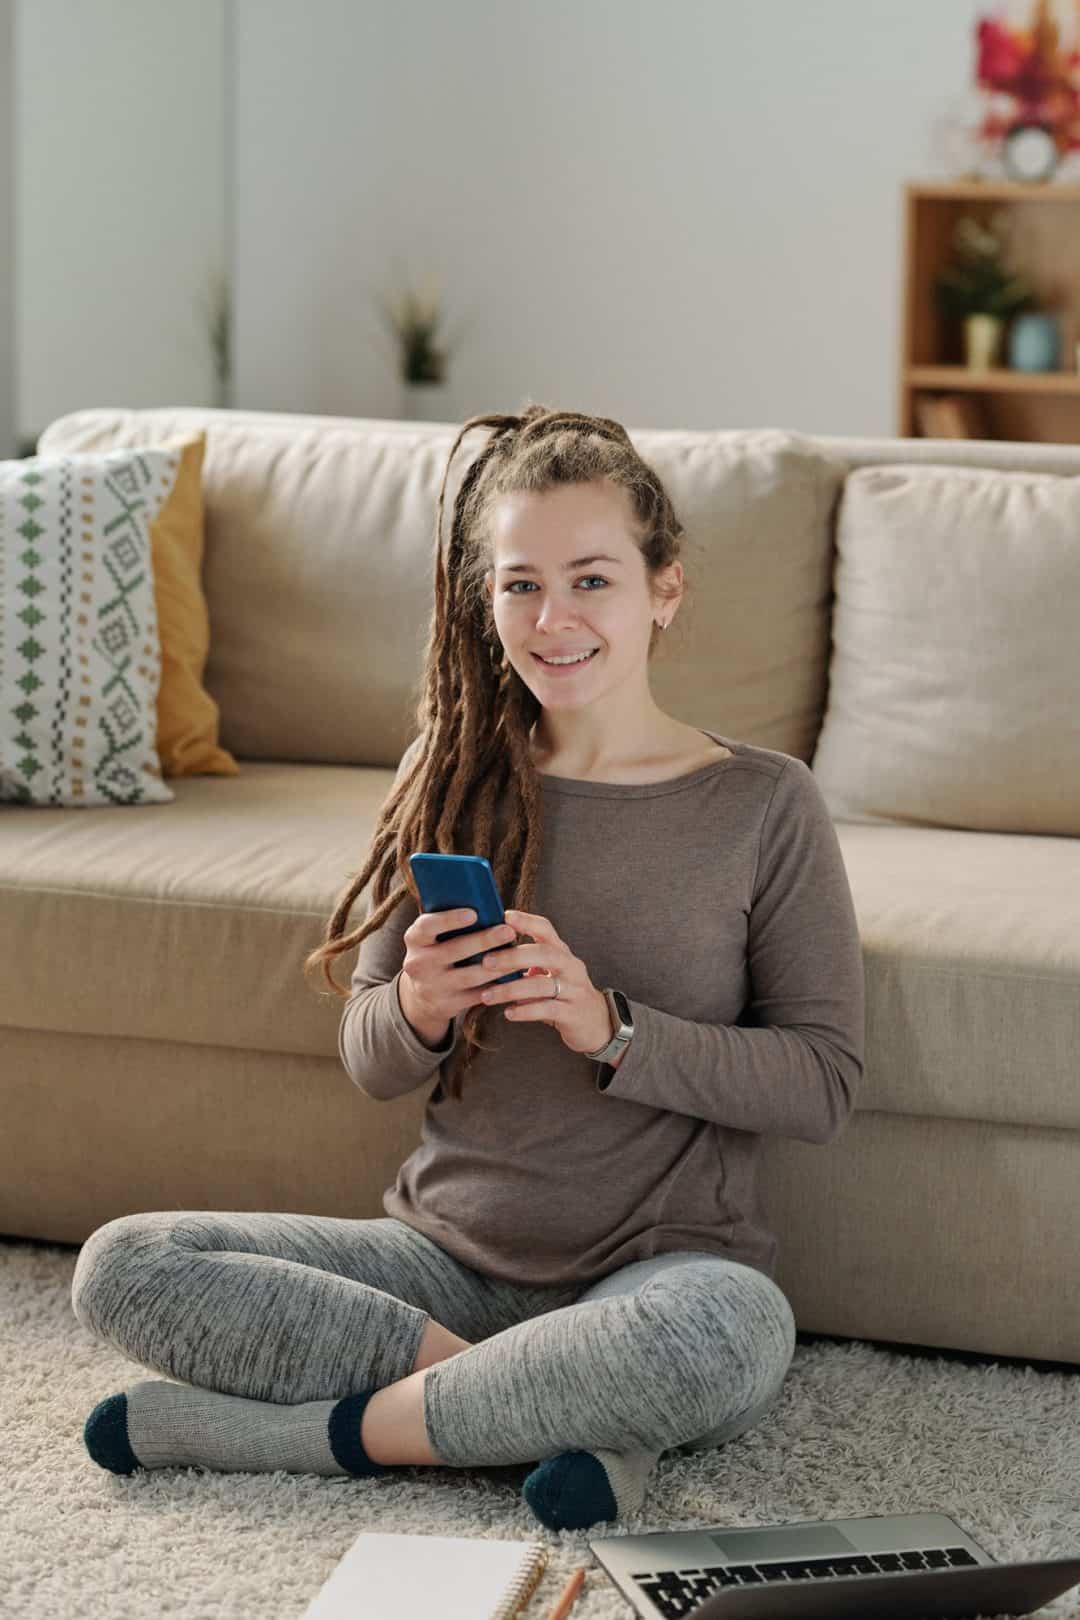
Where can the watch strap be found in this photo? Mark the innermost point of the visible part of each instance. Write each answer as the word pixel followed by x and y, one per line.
pixel 622 1030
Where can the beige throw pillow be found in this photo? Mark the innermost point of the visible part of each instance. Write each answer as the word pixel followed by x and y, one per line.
pixel 955 666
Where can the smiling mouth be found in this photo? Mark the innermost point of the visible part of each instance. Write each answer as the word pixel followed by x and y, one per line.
pixel 579 663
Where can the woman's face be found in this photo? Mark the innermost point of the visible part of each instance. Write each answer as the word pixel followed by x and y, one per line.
pixel 548 598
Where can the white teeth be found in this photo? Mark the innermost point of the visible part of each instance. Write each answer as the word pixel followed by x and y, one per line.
pixel 580 658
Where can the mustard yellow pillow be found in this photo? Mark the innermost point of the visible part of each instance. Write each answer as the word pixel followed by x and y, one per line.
pixel 187 716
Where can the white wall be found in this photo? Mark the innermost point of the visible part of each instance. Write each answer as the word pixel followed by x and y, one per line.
pixel 7 311
pixel 675 212
pixel 120 202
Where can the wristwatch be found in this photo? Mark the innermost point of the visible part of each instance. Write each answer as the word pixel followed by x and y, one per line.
pixel 622 1026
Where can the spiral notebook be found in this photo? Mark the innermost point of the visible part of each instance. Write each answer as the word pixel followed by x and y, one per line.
pixel 391 1577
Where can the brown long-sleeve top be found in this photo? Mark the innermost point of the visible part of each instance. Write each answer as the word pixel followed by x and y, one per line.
pixel 718 903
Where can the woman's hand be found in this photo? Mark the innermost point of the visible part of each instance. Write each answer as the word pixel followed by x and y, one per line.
pixel 581 1012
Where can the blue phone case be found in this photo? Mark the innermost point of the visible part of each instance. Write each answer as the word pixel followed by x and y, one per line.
pixel 450 882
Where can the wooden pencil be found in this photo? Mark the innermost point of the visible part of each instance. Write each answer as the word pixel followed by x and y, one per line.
pixel 566 1597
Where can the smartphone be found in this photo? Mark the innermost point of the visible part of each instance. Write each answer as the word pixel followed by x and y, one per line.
pixel 451 882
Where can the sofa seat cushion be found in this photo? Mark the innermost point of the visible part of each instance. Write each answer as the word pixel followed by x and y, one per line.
pixel 971 948
pixel 190 922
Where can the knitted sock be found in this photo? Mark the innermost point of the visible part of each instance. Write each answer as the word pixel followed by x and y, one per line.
pixel 158 1424
pixel 577 1489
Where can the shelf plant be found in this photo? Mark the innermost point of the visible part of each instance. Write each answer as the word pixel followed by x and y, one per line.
pixel 980 283
pixel 981 289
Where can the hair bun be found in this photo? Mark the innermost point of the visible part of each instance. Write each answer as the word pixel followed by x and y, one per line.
pixel 580 421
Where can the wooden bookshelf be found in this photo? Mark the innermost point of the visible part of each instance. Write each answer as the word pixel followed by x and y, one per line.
pixel 1044 222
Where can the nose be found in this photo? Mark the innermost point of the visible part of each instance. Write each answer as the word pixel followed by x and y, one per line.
pixel 556 614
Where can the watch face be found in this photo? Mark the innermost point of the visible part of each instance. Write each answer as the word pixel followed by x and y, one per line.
pixel 622 1006
pixel 1030 152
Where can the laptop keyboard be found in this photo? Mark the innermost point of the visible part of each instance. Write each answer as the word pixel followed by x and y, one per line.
pixel 677 1591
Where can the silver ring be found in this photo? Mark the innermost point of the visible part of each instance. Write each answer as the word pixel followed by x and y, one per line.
pixel 556 996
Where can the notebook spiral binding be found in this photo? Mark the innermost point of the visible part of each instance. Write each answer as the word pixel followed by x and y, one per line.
pixel 524 1584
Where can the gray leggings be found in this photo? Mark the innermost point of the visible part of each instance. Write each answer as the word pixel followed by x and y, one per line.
pixel 682 1351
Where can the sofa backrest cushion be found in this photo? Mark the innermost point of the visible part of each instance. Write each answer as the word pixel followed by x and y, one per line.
pixel 956 661
pixel 319 570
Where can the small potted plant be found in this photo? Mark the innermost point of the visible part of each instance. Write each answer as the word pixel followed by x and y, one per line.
pixel 981 290
pixel 216 311
pixel 414 318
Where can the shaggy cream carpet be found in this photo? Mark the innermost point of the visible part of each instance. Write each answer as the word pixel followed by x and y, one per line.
pixel 859 1429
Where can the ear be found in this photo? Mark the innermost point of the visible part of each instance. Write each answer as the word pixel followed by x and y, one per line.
pixel 669 576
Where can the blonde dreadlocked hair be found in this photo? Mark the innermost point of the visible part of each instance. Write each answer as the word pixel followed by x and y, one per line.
pixel 475 714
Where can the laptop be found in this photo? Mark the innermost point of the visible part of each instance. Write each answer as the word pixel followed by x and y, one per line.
pixel 914 1566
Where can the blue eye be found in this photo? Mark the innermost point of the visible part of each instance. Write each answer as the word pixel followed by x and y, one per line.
pixel 510 590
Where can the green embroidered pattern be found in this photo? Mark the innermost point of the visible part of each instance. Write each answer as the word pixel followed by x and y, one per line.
pixel 80 657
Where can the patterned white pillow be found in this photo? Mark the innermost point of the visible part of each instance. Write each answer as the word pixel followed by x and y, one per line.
pixel 80 657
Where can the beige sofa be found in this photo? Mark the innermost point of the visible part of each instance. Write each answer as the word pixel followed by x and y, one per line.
pixel 160 1048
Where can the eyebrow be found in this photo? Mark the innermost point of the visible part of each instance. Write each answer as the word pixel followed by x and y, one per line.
pixel 578 562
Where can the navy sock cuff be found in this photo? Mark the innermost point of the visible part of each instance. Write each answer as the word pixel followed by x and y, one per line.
pixel 343 1432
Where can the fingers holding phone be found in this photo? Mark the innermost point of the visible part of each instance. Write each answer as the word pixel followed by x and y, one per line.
pixel 440 986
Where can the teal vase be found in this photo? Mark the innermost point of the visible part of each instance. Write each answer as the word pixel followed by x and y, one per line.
pixel 1035 343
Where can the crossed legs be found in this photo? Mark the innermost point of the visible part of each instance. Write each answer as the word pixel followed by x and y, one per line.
pixel 458 1369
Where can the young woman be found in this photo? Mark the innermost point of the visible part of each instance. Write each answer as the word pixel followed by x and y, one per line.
pixel 573 1270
